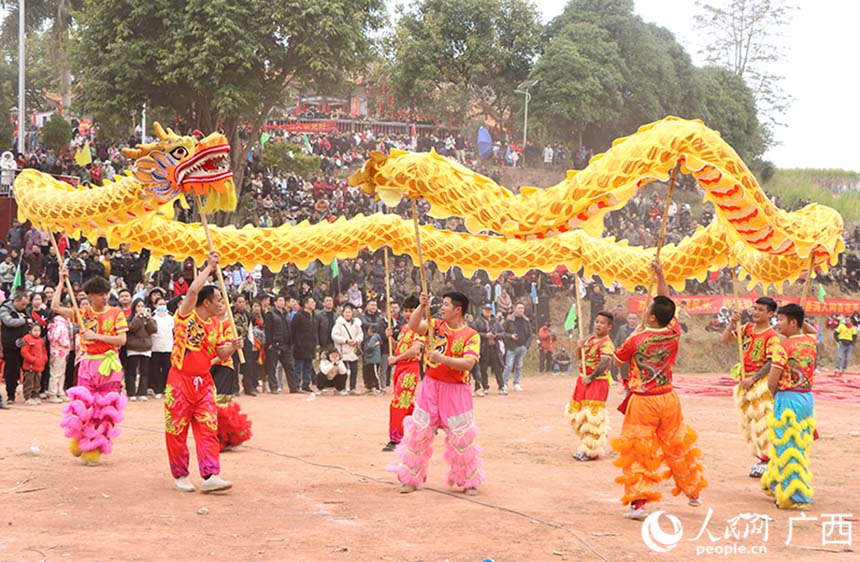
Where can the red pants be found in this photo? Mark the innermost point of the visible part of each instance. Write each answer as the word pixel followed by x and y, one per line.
pixel 190 399
pixel 406 375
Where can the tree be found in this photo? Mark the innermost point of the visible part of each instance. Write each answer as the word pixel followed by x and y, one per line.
pixel 581 82
pixel 57 133
pixel 452 54
pixel 216 63
pixel 744 38
pixel 290 158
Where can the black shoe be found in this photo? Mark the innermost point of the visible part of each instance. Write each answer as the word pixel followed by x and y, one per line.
pixel 390 447
pixel 250 393
pixel 306 389
pixel 10 401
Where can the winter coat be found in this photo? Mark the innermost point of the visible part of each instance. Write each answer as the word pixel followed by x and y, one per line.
pixel 344 332
pixel 278 332
pixel 304 335
pixel 34 353
pixel 330 370
pixel 14 324
pixel 140 332
pixel 162 339
pixel 60 336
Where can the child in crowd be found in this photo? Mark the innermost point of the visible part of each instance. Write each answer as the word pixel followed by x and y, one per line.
pixel 35 357
pixel 60 340
pixel 372 349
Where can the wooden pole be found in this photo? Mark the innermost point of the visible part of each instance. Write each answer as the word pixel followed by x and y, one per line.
pixel 579 325
pixel 218 274
pixel 662 233
pixel 69 288
pixel 809 271
pixel 422 273
pixel 739 326
pixel 388 300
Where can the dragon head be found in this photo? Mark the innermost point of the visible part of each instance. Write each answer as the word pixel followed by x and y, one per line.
pixel 175 164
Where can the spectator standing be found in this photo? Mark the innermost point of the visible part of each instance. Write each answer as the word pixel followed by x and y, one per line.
pixel 162 345
pixel 347 336
pixel 60 339
pixel 141 326
pixel 846 336
pixel 490 331
pixel 518 332
pixel 325 322
pixel 279 347
pixel 35 357
pixel 547 347
pixel 305 342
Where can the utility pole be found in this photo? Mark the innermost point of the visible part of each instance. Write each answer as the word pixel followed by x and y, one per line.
pixel 143 125
pixel 21 69
pixel 524 89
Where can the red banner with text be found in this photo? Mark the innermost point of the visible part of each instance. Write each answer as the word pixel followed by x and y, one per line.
pixel 313 127
pixel 711 304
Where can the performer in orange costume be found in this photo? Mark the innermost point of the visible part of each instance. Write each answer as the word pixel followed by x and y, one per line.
pixel 189 397
pixel 407 374
pixel 654 428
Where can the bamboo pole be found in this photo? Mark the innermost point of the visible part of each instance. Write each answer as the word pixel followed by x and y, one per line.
pixel 662 233
pixel 388 300
pixel 580 325
pixel 69 288
pixel 424 288
pixel 739 326
pixel 809 271
pixel 218 274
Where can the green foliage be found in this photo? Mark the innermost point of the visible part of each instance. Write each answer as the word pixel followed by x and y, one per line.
pixel 57 133
pixel 451 53
pixel 839 189
pixel 290 158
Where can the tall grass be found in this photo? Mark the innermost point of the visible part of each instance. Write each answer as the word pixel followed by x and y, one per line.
pixel 839 189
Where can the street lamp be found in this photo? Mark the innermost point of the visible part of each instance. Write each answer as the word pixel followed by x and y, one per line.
pixel 524 89
pixel 21 76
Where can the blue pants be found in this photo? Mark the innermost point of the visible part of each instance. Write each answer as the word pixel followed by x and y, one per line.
pixel 514 362
pixel 843 354
pixel 304 372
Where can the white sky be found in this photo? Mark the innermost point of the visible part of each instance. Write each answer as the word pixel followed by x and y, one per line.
pixel 823 123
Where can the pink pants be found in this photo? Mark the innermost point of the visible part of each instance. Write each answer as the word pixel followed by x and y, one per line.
pixel 447 406
pixel 92 417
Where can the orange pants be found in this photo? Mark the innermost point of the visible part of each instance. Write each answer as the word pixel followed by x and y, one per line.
pixel 653 432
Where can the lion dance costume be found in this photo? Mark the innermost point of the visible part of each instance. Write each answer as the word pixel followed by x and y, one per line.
pixel 95 410
pixel 443 401
pixel 586 411
pixel 654 429
pixel 755 404
pixel 792 424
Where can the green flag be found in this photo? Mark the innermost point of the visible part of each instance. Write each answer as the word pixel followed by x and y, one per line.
pixel 19 281
pixel 264 138
pixel 570 321
pixel 821 293
pixel 308 146
pixel 334 270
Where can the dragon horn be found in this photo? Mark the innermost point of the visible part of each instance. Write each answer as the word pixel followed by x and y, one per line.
pixel 159 131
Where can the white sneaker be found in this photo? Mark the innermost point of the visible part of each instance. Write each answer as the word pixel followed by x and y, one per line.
pixel 183 484
pixel 481 393
pixel 636 514
pixel 142 398
pixel 159 396
pixel 215 484
pixel 518 388
pixel 407 489
pixel 343 393
pixel 503 391
pixel 132 398
pixel 55 400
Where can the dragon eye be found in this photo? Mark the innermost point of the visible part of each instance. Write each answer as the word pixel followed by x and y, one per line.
pixel 180 152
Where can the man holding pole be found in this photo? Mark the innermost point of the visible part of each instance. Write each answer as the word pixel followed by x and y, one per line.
pixel 189 398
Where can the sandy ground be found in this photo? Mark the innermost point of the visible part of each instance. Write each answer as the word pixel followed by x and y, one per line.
pixel 311 485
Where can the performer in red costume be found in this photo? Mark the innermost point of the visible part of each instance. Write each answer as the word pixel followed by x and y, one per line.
pixel 407 374
pixel 189 398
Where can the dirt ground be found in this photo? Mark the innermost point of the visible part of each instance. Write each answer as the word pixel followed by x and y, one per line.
pixel 311 485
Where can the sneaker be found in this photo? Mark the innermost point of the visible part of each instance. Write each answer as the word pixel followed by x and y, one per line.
pixel 503 391
pixel 43 395
pixel 481 393
pixel 38 401
pixel 637 514
pixel 518 388
pixel 694 502
pixel 353 392
pixel 142 398
pixel 30 401
pixel 183 484
pixel 150 392
pixel 65 398
pixel 389 447
pixel 132 398
pixel 471 491
pixel 758 469
pixel 407 489
pixel 215 484
pixel 159 396
pixel 343 393
pixel 377 392
pixel 250 393
pixel 55 400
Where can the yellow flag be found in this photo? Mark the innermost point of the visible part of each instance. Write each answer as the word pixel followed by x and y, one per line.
pixel 154 264
pixel 83 155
